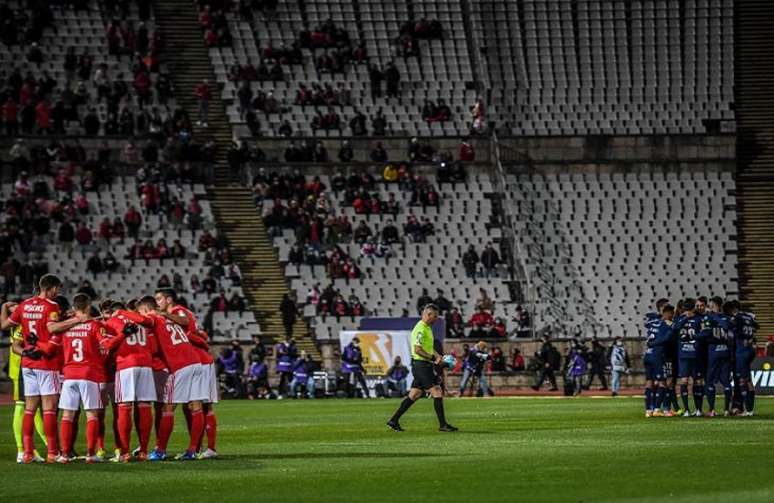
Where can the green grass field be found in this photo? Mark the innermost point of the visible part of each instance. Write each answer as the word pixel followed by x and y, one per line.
pixel 534 449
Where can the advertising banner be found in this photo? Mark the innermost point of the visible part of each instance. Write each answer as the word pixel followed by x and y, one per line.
pixel 380 349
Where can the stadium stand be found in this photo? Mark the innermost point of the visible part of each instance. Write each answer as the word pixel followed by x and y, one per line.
pixel 599 67
pixel 593 242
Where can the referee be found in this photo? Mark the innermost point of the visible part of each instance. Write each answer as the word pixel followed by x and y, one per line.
pixel 425 377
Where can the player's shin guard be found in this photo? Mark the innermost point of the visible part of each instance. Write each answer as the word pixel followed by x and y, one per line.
pixel 18 419
pixel 124 427
pixel 39 427
pixel 698 395
pixel 197 430
pixel 49 424
pixel 684 396
pixel 648 399
pixel 404 406
pixel 727 397
pixel 750 402
pixel 66 431
pixel 28 430
pixel 165 430
pixel 438 405
pixel 211 429
pixel 70 447
pixel 144 425
pixel 92 435
pixel 101 430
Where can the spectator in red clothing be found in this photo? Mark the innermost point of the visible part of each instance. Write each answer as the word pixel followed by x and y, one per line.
pixel 10 115
pixel 63 182
pixel 148 250
pixel 43 117
pixel 206 241
pixel 210 38
pixel 375 207
pixel 142 84
pixel 133 221
pixel 105 229
pixel 117 230
pixel 517 360
pixel 498 328
pixel 205 19
pixel 340 307
pixel 351 270
pixel 204 95
pixel 481 318
pixel 82 204
pixel 466 152
pixel 150 195
pixel 360 205
pixel 219 303
pixel 83 235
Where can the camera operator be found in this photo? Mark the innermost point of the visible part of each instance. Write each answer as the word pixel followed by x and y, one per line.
pixel 474 366
pixel 549 357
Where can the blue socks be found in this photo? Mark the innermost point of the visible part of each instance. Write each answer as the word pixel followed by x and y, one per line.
pixel 648 399
pixel 711 396
pixel 727 397
pixel 684 396
pixel 698 395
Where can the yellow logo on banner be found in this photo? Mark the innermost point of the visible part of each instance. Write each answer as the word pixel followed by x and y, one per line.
pixel 377 352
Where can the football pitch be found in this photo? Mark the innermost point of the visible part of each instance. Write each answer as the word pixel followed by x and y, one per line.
pixel 507 449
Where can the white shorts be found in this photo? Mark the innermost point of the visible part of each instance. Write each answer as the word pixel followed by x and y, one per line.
pixel 211 378
pixel 77 391
pixel 39 382
pixel 135 384
pixel 187 385
pixel 160 382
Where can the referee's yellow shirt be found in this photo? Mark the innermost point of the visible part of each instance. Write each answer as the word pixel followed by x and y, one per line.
pixel 422 336
pixel 14 360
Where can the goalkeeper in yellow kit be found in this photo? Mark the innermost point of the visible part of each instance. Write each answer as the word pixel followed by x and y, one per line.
pixel 14 372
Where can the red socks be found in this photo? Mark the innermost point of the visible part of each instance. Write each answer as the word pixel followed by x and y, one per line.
pixel 28 431
pixel 116 427
pixel 144 425
pixel 66 432
pixel 158 408
pixel 124 427
pixel 92 434
pixel 49 426
pixel 211 429
pixel 165 430
pixel 197 429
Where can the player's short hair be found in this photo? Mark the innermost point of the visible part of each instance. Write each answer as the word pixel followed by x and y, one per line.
pixel 660 303
pixel 132 304
pixel 689 304
pixel 702 299
pixel 168 292
pixel 717 300
pixel 116 305
pixel 82 302
pixel 64 304
pixel 731 305
pixel 147 301
pixel 49 281
pixel 105 304
pixel 668 308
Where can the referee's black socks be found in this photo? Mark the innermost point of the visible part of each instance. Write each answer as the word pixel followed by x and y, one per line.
pixel 404 406
pixel 438 404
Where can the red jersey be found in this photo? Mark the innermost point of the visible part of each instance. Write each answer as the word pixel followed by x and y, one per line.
pixel 192 331
pixel 174 344
pixel 134 350
pixel 83 357
pixel 33 315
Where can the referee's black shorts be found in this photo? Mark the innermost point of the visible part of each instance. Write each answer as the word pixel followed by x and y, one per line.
pixel 424 373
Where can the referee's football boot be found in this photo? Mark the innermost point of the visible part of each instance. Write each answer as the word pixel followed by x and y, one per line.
pixel 394 426
pixel 448 427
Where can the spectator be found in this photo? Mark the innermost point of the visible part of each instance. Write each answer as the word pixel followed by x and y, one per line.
pixel 34 54
pixel 576 368
pixel 470 262
pixel 597 361
pixel 346 154
pixel 497 359
pixel 390 233
pixel 498 329
pixel 66 236
pixel 236 303
pixel 164 282
pixel 289 313
pixel 133 221
pixel 110 264
pixel 392 77
pixel 397 378
pixel 466 152
pixel 303 369
pixel 481 319
pixel 87 289
pixel 444 304
pixel 484 301
pixel 83 235
pixel 203 95
pixel 423 300
pixel 490 260
pixel 362 233
pixel 379 154
pixel 379 123
pixel 94 264
pixel 455 326
pixel 522 322
pixel 517 361
pixel 477 113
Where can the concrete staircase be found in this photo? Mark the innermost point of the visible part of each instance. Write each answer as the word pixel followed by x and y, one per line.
pixel 235 214
pixel 754 73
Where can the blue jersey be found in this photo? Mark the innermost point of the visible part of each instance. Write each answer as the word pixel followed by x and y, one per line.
pixel 717 334
pixel 687 330
pixel 659 336
pixel 651 319
pixel 744 327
